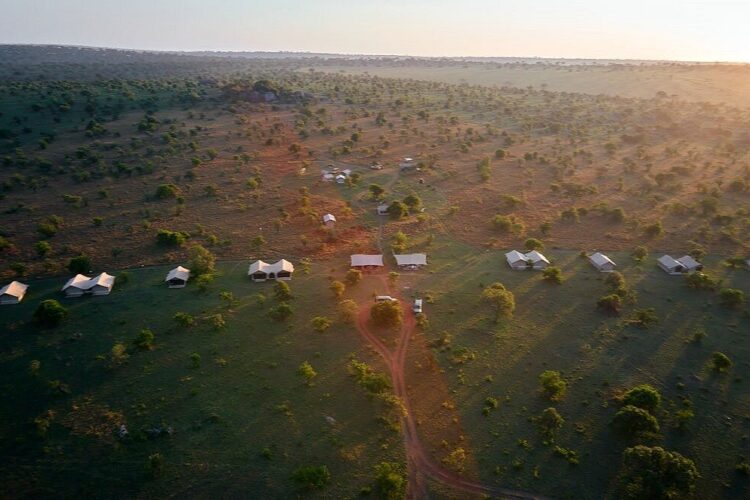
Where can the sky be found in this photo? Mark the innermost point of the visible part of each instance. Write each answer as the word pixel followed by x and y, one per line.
pixel 691 30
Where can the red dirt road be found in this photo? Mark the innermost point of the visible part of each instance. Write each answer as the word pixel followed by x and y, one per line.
pixel 421 465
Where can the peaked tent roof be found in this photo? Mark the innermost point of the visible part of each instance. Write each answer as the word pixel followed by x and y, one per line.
pixel 84 282
pixel 535 256
pixel 515 256
pixel 688 262
pixel 411 259
pixel 78 281
pixel 15 289
pixel 600 259
pixel 366 260
pixel 104 279
pixel 265 267
pixel 329 218
pixel 668 261
pixel 178 272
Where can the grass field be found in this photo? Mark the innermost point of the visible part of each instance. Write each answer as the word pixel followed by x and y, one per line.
pixel 246 396
pixel 558 327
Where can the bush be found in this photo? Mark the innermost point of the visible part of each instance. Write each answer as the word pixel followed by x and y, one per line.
pixel 338 288
pixel 281 312
pixel 702 281
pixel 353 276
pixel 533 244
pixel 321 323
pixel 372 381
pixel 184 319
pixel 79 265
pixel 731 297
pixel 657 474
pixel 508 224
pixel 165 191
pixel 312 477
pixel 611 303
pixel 720 362
pixel 348 311
pixel 282 291
pixel 50 313
pixel 145 340
pixel 550 421
pixel 390 478
pixel 639 253
pixel 501 299
pixel 387 314
pixel 632 422
pixel 306 371
pixel 201 261
pixel 552 385
pixel 47 229
pixel 644 317
pixel 643 396
pixel 397 210
pixel 167 238
pixel 553 275
pixel 43 248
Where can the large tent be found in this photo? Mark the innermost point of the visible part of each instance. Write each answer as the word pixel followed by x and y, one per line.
pixel 178 277
pixel 411 260
pixel 602 262
pixel 98 285
pixel 261 271
pixel 12 293
pixel 362 260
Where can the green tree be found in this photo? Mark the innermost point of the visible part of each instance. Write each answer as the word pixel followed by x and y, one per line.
pixel 657 474
pixel 552 385
pixel 312 477
pixel 611 303
pixel 639 253
pixel 321 323
pixel 549 422
pixel 397 210
pixel 50 313
pixel 533 244
pixel 387 314
pixel 164 191
pixel 307 372
pixel 338 288
pixel 553 274
pixel 202 261
pixel 79 265
pixel 282 291
pixel 376 191
pixel 643 396
pixel 720 362
pixel 731 298
pixel 281 312
pixel 145 340
pixel 184 319
pixel 501 299
pixel 413 201
pixel 391 480
pixel 353 276
pixel 43 248
pixel 348 311
pixel 633 422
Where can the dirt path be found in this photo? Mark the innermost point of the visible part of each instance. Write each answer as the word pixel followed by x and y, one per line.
pixel 421 465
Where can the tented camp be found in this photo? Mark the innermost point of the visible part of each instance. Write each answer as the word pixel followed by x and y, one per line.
pixel 537 260
pixel 329 220
pixel 602 262
pixel 79 285
pixel 383 209
pixel 178 277
pixel 516 260
pixel 690 264
pixel 362 261
pixel 407 164
pixel 670 265
pixel 340 179
pixel 12 293
pixel 411 261
pixel 260 271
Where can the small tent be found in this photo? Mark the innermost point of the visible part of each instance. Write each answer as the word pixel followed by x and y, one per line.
pixel 670 265
pixel 178 277
pixel 383 209
pixel 601 262
pixel 690 264
pixel 516 260
pixel 537 260
pixel 12 293
pixel 329 220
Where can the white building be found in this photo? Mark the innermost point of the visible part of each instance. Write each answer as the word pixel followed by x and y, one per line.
pixel 411 261
pixel 178 277
pixel 383 209
pixel 79 285
pixel 690 264
pixel 602 263
pixel 516 260
pixel 260 271
pixel 367 261
pixel 670 265
pixel 12 293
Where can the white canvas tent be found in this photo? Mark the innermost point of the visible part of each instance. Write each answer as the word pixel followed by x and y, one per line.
pixel 178 277
pixel 537 260
pixel 690 263
pixel 80 284
pixel 383 209
pixel 602 262
pixel 366 261
pixel 516 260
pixel 670 265
pixel 411 260
pixel 12 293
pixel 260 271
pixel 329 220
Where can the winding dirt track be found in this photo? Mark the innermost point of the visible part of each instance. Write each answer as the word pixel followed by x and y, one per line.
pixel 421 465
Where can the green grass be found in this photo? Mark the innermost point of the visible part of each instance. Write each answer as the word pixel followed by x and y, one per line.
pixel 224 413
pixel 557 327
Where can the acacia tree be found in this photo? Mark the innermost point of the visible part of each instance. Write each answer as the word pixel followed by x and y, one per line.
pixel 656 473
pixel 202 261
pixel 387 314
pixel 501 299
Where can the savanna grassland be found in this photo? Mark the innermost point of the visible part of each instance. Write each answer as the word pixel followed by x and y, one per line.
pixel 133 160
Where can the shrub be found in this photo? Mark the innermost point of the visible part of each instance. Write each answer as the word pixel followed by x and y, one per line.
pixel 611 303
pixel 731 297
pixel 281 312
pixel 633 422
pixel 550 421
pixel 79 265
pixel 639 253
pixel 282 291
pixel 533 244
pixel 501 299
pixel 372 381
pixel 657 474
pixel 353 276
pixel 202 261
pixel 338 288
pixel 376 191
pixel 654 230
pixel 165 191
pixel 167 238
pixel 348 311
pixel 644 317
pixel 47 229
pixel 321 323
pixel 508 224
pixel 552 385
pixel 720 362
pixel 43 248
pixel 702 281
pixel 184 319
pixel 306 371
pixel 217 321
pixel 50 313
pixel 643 396
pixel 145 340
pixel 195 360
pixel 387 314
pixel 553 275
pixel 156 465
pixel 397 210
pixel 312 477
pixel 390 478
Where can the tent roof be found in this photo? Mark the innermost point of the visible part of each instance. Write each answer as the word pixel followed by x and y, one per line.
pixel 688 262
pixel 14 288
pixel 265 267
pixel 78 281
pixel 104 279
pixel 535 256
pixel 178 272
pixel 600 259
pixel 411 259
pixel 329 218
pixel 84 282
pixel 515 256
pixel 366 260
pixel 668 261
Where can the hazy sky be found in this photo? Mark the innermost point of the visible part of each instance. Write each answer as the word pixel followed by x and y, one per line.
pixel 654 29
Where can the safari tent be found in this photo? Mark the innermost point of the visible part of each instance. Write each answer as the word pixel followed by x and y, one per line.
pixel 260 271
pixel 363 261
pixel 12 293
pixel 602 263
pixel 178 277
